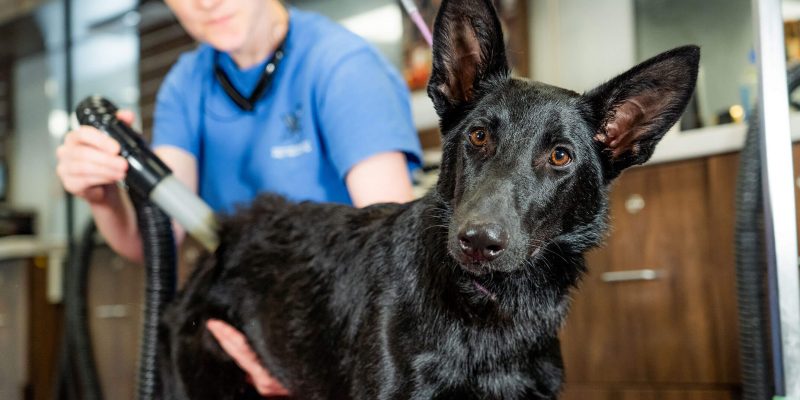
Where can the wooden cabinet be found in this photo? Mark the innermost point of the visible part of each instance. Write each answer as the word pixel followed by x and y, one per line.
pixel 796 157
pixel 13 327
pixel 116 293
pixel 30 330
pixel 647 394
pixel 675 336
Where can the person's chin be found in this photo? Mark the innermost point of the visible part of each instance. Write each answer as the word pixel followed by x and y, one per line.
pixel 225 41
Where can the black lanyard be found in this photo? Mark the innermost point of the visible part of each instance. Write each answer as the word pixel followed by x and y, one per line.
pixel 249 103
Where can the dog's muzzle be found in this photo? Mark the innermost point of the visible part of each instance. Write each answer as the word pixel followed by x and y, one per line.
pixel 481 242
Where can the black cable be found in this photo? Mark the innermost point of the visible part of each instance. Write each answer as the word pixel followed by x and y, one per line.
pixel 65 387
pixel 68 93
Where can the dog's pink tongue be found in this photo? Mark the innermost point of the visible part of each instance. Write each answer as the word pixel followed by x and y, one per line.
pixel 484 290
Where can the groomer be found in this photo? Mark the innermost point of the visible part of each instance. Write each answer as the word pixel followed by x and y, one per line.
pixel 273 100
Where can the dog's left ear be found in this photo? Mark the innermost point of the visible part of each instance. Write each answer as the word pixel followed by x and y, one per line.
pixel 633 111
pixel 468 53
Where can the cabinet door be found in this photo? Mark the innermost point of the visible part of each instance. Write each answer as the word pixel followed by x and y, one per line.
pixel 679 327
pixel 796 157
pixel 591 393
pixel 116 290
pixel 13 328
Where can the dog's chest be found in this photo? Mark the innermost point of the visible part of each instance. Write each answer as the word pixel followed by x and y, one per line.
pixel 477 363
pixel 440 375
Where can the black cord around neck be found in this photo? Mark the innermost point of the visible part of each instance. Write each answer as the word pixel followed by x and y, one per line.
pixel 267 75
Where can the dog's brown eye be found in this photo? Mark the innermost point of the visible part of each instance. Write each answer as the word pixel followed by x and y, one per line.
pixel 478 137
pixel 560 157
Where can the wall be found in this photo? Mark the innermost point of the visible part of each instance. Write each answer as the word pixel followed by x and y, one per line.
pixel 578 44
pixel 724 31
pixel 379 21
pixel 32 164
pixel 104 63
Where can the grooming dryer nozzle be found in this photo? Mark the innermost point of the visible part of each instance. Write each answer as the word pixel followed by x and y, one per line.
pixel 148 175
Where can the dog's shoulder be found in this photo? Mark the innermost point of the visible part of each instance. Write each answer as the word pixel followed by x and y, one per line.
pixel 277 210
pixel 272 218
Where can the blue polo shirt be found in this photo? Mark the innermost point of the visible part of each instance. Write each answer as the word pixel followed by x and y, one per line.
pixel 333 102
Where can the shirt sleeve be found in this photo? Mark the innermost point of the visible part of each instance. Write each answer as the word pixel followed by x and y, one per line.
pixel 364 109
pixel 172 124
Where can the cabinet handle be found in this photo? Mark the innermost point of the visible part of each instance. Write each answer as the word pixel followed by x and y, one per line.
pixel 111 311
pixel 632 275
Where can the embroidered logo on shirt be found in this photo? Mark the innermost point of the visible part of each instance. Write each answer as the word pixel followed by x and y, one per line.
pixel 292 119
pixel 298 145
pixel 290 150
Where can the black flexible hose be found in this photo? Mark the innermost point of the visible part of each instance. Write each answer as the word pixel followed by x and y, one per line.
pixel 159 254
pixel 751 272
pixel 751 269
pixel 63 388
pixel 77 377
pixel 66 384
pixel 78 318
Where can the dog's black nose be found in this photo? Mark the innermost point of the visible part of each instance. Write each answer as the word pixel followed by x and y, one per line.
pixel 483 241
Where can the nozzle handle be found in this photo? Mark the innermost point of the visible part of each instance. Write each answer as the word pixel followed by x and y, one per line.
pixel 146 169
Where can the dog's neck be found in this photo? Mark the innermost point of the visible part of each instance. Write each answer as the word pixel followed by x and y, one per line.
pixel 520 299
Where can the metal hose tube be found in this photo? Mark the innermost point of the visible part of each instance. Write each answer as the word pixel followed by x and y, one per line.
pixel 160 259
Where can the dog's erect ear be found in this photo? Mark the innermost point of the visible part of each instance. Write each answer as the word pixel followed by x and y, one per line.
pixel 633 111
pixel 468 51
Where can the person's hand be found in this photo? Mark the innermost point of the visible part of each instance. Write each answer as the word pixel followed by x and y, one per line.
pixel 235 344
pixel 89 163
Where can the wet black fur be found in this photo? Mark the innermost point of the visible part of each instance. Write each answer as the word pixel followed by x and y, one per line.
pixel 378 303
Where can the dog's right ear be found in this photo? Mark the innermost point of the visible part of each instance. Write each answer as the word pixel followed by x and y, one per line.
pixel 633 111
pixel 468 54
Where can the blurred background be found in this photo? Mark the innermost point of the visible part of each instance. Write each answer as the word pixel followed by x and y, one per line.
pixel 674 337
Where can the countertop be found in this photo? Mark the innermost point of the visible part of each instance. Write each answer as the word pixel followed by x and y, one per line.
pixel 28 246
pixel 25 246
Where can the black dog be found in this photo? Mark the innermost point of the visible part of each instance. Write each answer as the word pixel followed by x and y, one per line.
pixel 459 295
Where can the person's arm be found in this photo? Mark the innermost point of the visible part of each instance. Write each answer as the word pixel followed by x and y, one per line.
pixel 365 122
pixel 382 178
